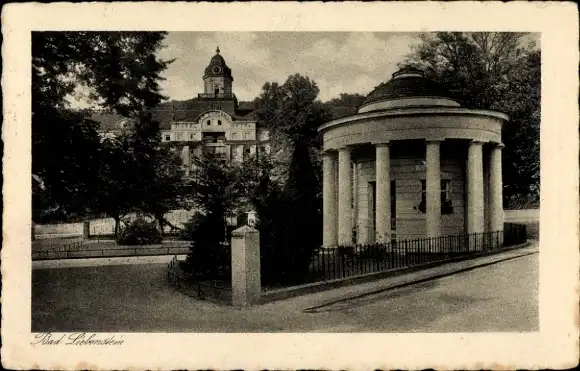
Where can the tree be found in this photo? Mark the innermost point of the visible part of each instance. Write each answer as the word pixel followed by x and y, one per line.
pixel 117 171
pixel 118 70
pixel 216 190
pixel 163 191
pixel 65 155
pixel 494 71
pixel 344 105
pixel 295 114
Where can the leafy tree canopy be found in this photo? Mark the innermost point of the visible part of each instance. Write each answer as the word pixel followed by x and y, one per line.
pixel 292 110
pixel 119 71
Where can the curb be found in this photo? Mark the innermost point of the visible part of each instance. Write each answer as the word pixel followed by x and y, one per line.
pixel 316 308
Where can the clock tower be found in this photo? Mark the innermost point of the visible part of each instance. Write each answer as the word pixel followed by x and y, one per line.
pixel 218 78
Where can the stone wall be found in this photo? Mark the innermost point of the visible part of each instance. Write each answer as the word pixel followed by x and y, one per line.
pixel 105 226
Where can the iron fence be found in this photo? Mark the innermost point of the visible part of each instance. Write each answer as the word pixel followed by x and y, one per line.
pixel 357 260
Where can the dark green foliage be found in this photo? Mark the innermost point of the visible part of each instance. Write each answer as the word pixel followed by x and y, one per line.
pixel 499 71
pixel 344 105
pixel 209 257
pixel 140 232
pixel 376 252
pixel 118 69
pixel 216 189
pixel 65 151
pixel 81 173
pixel 290 216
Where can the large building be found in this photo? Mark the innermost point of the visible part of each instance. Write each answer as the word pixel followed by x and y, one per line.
pixel 214 121
pixel 412 163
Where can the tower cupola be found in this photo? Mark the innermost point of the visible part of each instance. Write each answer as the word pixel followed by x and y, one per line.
pixel 217 77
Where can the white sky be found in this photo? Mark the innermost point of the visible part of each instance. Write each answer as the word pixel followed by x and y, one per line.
pixel 339 62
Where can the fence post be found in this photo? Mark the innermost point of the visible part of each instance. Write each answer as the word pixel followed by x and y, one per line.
pixel 86 230
pixel 245 255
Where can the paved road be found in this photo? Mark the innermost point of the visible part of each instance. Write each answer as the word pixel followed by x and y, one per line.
pixel 135 298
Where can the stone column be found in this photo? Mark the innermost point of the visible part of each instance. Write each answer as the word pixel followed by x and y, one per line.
pixel 433 189
pixel 329 201
pixel 355 191
pixel 246 283
pixel 475 217
pixel 344 197
pixel 383 190
pixel 496 188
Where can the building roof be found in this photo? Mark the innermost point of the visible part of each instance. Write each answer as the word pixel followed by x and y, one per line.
pixel 407 83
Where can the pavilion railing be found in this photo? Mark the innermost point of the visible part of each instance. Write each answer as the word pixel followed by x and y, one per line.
pixel 358 260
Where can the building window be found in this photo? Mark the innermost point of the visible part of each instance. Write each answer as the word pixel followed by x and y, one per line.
pixel 234 136
pixel 208 122
pixel 247 150
pixel 167 137
pixel 178 136
pixel 247 135
pixel 446 203
pixel 262 149
pixel 191 136
pixel 219 122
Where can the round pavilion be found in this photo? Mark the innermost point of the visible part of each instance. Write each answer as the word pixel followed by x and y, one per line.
pixel 412 163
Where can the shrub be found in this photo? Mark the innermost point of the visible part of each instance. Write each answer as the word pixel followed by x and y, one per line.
pixel 208 257
pixel 377 252
pixel 140 232
pixel 288 241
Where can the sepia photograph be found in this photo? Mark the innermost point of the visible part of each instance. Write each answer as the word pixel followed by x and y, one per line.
pixel 335 182
pixel 387 183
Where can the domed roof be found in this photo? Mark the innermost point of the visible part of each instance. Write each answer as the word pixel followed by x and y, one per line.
pixel 217 66
pixel 407 83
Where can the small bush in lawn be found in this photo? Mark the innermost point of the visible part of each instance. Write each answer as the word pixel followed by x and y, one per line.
pixel 208 257
pixel 140 232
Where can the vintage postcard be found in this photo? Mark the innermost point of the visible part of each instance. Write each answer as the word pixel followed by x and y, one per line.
pixel 288 185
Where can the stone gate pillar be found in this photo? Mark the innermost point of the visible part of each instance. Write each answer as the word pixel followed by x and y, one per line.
pixel 246 280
